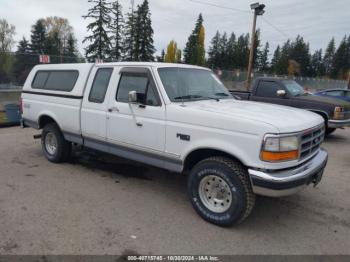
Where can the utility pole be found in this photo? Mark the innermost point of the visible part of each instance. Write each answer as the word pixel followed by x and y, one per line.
pixel 258 10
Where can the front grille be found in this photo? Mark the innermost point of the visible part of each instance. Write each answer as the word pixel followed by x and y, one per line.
pixel 311 141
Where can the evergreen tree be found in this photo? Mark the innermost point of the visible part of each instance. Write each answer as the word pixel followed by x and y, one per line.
pixel 163 55
pixel 39 38
pixel 317 67
pixel 24 61
pixel 99 42
pixel 223 59
pixel 70 52
pixel 161 58
pixel 263 59
pixel 341 59
pixel 276 60
pixel 191 50
pixel 116 28
pixel 242 51
pixel 138 41
pixel 328 57
pixel 283 62
pixel 214 51
pixel 231 52
pixel 178 56
pixel 301 54
pixel 129 43
pixel 256 50
pixel 144 33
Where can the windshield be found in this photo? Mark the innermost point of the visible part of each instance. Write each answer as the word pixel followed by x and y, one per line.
pixel 294 88
pixel 187 84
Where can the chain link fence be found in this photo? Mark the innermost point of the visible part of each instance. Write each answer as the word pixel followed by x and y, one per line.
pixel 236 80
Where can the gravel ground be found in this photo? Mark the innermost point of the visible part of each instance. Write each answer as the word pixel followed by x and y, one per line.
pixel 98 204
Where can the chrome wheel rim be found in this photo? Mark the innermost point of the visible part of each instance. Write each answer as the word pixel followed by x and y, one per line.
pixel 215 193
pixel 50 143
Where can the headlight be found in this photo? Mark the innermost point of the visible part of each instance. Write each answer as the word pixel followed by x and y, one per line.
pixel 277 149
pixel 339 112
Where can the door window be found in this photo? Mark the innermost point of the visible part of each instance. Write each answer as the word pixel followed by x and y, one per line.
pixel 267 89
pixel 100 85
pixel 336 93
pixel 140 83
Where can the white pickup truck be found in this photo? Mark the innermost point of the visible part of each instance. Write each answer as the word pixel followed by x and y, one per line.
pixel 180 118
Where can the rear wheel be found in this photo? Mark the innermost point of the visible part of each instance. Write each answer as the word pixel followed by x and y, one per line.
pixel 220 191
pixel 55 148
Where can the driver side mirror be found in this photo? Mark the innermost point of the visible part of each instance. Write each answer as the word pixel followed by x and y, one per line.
pixel 281 93
pixel 132 97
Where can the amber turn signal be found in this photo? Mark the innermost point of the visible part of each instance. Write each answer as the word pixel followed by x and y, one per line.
pixel 279 156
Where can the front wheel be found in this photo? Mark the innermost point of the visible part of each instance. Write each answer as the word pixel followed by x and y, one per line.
pixel 220 191
pixel 55 148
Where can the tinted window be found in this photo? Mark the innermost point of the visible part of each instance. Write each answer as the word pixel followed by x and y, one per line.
pixel 100 85
pixel 267 89
pixel 40 79
pixel 294 88
pixel 335 93
pixel 140 83
pixel 55 80
pixel 347 93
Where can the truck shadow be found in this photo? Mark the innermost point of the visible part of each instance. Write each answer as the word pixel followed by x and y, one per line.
pixel 267 211
pixel 112 165
pixel 336 137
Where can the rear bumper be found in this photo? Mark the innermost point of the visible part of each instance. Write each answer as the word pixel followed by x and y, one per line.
pixel 338 123
pixel 289 181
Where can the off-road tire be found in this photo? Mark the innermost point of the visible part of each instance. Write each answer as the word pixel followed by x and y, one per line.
pixel 237 178
pixel 64 148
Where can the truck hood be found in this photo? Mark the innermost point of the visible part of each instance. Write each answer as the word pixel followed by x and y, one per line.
pixel 325 100
pixel 284 119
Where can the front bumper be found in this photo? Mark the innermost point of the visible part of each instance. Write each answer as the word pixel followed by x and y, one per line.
pixel 338 123
pixel 285 182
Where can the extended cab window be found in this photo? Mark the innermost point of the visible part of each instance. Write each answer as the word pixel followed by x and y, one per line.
pixel 100 85
pixel 59 80
pixel 267 89
pixel 140 83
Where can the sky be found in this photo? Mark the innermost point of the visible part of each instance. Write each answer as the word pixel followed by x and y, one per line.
pixel 316 20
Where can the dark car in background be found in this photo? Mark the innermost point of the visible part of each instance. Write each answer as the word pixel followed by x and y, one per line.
pixel 336 112
pixel 342 94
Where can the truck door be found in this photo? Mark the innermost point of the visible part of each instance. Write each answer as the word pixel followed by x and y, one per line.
pixel 266 91
pixel 136 126
pixel 95 103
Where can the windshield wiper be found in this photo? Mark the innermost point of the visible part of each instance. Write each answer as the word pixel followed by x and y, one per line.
pixel 187 97
pixel 221 94
pixel 196 97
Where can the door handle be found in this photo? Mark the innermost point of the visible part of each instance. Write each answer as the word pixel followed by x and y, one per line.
pixel 113 109
pixel 139 124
